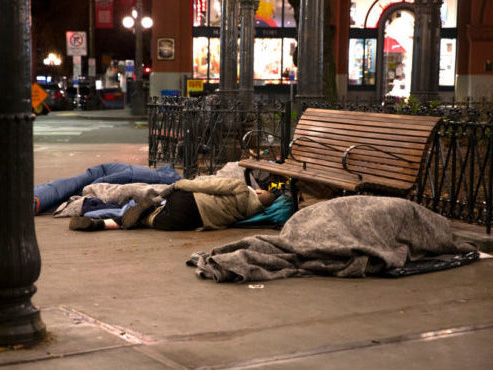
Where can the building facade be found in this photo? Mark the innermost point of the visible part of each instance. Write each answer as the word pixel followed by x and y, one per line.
pixel 375 46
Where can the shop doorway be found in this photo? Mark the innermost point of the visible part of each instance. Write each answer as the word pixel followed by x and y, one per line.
pixel 397 35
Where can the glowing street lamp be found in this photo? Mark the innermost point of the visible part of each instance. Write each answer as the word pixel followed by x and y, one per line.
pixel 52 60
pixel 136 22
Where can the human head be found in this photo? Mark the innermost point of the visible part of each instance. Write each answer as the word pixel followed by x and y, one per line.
pixel 265 197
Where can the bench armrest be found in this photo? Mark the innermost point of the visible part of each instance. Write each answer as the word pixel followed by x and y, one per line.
pixel 371 147
pixel 306 138
pixel 270 139
pixel 266 133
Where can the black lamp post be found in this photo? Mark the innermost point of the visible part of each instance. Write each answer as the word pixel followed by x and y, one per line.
pixel 137 23
pixel 20 262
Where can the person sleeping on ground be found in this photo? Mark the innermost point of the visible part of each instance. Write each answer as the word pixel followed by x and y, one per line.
pixel 213 203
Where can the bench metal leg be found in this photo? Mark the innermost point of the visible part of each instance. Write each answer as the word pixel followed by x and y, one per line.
pixel 294 193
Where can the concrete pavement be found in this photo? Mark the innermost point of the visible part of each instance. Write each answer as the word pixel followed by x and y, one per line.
pixel 125 299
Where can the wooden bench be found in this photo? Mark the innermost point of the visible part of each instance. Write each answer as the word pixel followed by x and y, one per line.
pixel 354 151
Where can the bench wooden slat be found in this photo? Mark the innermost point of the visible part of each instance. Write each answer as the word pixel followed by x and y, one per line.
pixel 390 158
pixel 414 156
pixel 426 120
pixel 325 126
pixel 365 170
pixel 320 132
pixel 367 164
pixel 357 155
pixel 330 179
pixel 295 171
pixel 346 142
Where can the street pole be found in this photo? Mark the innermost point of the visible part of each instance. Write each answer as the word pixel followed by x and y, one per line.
pixel 310 50
pixel 20 262
pixel 92 101
pixel 247 39
pixel 426 51
pixel 228 84
pixel 138 99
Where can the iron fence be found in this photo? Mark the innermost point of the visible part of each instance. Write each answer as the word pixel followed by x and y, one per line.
pixel 200 135
pixel 457 178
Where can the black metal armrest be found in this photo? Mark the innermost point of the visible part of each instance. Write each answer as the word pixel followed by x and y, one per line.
pixel 348 150
pixel 249 133
pixel 309 139
pixel 270 139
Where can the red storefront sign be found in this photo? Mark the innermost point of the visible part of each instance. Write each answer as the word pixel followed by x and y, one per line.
pixel 104 13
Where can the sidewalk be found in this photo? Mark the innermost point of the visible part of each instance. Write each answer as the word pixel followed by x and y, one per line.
pixel 126 299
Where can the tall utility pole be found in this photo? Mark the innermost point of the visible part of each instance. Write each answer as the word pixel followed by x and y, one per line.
pixel 20 262
pixel 138 99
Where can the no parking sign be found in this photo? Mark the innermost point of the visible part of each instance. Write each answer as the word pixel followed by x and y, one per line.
pixel 76 43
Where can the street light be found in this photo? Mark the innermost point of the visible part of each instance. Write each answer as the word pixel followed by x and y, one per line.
pixel 137 23
pixel 52 60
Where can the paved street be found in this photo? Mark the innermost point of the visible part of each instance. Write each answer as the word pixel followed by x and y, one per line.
pixel 125 298
pixel 71 127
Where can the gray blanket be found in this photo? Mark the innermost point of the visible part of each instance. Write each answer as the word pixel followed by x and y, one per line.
pixel 343 237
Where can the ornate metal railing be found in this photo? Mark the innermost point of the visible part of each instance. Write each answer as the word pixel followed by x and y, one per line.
pixel 201 136
pixel 457 179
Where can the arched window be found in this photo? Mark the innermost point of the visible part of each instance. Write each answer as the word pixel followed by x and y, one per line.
pixel 365 18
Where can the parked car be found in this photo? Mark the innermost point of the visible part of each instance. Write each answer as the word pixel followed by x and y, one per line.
pixel 112 98
pixel 56 99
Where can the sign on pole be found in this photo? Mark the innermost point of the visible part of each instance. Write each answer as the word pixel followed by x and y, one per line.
pixel 76 43
pixel 77 67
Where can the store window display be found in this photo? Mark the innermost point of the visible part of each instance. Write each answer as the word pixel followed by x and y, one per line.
pixel 200 57
pixel 447 62
pixel 274 41
pixel 366 23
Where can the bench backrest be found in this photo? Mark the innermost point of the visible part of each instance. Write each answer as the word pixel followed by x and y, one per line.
pixel 406 137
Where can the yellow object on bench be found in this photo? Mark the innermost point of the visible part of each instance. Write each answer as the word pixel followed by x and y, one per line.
pixel 355 151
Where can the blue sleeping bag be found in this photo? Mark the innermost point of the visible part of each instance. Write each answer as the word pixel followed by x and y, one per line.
pixel 50 195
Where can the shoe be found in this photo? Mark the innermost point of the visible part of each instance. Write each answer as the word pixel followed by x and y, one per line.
pixel 83 223
pixel 131 218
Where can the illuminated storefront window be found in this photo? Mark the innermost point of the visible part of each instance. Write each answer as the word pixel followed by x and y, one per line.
pixel 289 70
pixel 274 41
pixel 200 57
pixel 448 13
pixel 200 12
pixel 362 62
pixel 289 20
pixel 215 20
pixel 269 14
pixel 447 62
pixel 365 21
pixel 214 49
pixel 268 66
